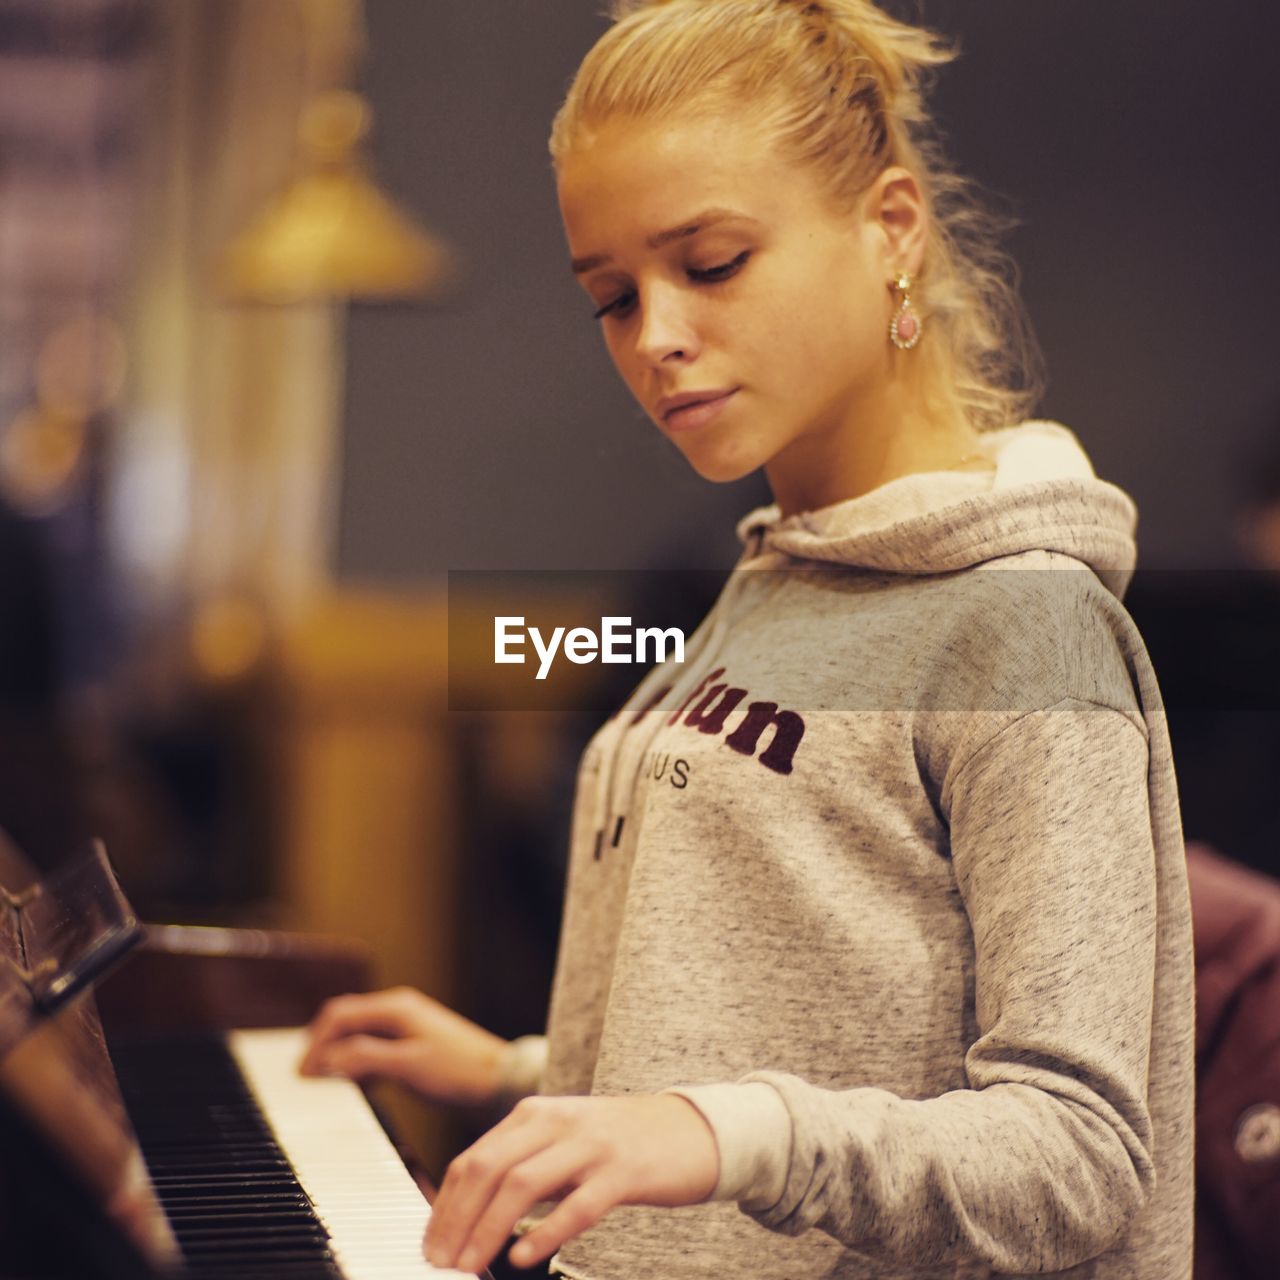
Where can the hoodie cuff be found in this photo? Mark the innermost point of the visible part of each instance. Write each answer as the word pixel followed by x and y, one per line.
pixel 521 1068
pixel 752 1129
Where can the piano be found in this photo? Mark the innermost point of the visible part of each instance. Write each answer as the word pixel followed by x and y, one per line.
pixel 156 1138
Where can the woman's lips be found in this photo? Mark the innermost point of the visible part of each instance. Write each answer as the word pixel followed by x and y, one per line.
pixel 690 416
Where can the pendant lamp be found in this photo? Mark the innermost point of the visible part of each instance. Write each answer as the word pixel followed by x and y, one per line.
pixel 331 233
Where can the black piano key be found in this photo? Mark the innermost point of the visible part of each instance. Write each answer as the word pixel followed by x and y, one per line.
pixel 235 1206
pixel 280 1202
pixel 251 1264
pixel 215 1199
pixel 213 1155
pixel 245 1235
pixel 245 1268
pixel 199 1214
pixel 216 1190
pixel 240 1218
pixel 204 1162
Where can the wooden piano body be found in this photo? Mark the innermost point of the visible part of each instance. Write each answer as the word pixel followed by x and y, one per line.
pixel 183 986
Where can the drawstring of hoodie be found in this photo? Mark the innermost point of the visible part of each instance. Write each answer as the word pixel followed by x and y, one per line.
pixel 618 778
pixel 611 794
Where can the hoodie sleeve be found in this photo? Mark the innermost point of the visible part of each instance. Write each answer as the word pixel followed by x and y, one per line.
pixel 1043 1160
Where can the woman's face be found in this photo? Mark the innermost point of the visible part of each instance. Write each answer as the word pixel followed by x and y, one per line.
pixel 722 276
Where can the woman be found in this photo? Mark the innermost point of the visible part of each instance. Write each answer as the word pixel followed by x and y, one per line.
pixel 900 970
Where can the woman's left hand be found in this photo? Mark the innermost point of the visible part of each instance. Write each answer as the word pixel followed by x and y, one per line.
pixel 590 1154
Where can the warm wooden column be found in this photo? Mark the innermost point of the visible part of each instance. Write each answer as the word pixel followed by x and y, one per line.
pixel 368 812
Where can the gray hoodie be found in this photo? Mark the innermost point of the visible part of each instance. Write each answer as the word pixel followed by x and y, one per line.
pixel 888 881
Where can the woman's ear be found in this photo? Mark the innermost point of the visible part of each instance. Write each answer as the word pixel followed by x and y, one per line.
pixel 896 204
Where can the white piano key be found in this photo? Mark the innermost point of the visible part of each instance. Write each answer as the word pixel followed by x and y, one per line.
pixel 373 1210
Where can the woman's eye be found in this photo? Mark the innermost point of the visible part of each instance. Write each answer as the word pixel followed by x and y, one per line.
pixel 620 305
pixel 624 302
pixel 722 272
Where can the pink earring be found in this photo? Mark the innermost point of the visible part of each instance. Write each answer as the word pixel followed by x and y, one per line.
pixel 906 325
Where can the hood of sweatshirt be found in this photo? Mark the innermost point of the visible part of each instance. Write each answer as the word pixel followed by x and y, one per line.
pixel 1040 493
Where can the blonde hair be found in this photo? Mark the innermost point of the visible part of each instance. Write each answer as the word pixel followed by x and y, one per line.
pixel 841 84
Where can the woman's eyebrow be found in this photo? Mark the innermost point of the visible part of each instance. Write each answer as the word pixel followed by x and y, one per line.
pixel 707 218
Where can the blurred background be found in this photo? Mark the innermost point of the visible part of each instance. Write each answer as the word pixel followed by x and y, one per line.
pixel 287 332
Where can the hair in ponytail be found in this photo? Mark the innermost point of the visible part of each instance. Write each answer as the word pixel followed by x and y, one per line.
pixel 841 85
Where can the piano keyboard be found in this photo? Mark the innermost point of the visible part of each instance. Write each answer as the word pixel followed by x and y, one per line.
pixel 262 1172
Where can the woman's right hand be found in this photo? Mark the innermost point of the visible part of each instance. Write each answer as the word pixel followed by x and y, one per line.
pixel 405 1036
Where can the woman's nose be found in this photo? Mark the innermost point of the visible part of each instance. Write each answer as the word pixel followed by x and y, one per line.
pixel 666 329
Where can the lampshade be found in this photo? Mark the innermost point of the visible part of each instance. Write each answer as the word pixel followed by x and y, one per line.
pixel 331 233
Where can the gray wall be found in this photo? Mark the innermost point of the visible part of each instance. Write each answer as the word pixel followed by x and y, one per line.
pixel 1135 141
